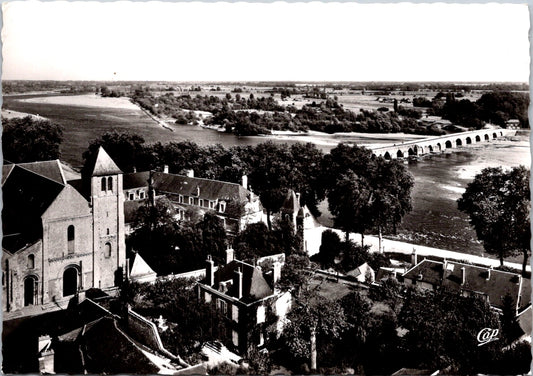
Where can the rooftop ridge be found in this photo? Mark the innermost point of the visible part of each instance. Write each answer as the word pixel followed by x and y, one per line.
pixel 41 175
pixel 206 179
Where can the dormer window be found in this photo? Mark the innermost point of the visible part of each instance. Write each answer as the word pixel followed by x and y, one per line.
pixel 191 200
pixel 132 196
pixel 222 207
pixel 141 195
pixel 180 199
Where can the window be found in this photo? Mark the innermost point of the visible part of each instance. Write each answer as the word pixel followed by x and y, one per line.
pixel 205 203
pixel 70 239
pixel 212 204
pixel 132 196
pixel 110 183
pixel 222 207
pixel 260 314
pixel 235 338
pixel 222 305
pixel 31 262
pixel 207 297
pixel 201 202
pixel 141 195
pixel 107 250
pixel 235 313
pixel 107 232
pixel 191 201
pixel 180 199
pixel 196 201
pixel 104 185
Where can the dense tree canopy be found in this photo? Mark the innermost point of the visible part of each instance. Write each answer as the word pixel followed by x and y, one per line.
pixel 29 140
pixel 498 203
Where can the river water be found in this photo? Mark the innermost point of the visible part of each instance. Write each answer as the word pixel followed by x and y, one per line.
pixel 440 179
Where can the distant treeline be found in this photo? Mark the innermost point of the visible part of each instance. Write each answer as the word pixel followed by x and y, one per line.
pixel 496 107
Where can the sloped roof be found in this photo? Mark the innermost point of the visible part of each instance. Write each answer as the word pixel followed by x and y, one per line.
pixel 135 180
pixel 477 280
pixel 104 165
pixel 48 169
pixel 359 270
pixel 140 268
pixel 291 204
pixel 254 284
pixel 26 196
pixel 431 272
pixel 209 189
pixel 6 170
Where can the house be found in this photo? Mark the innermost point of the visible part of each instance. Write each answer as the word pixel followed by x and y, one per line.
pixel 60 237
pixel 512 124
pixel 468 279
pixel 192 197
pixel 247 297
pixel 363 273
pixel 105 344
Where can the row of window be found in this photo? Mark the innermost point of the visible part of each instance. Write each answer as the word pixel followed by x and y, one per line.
pixel 136 195
pixel 106 184
pixel 208 204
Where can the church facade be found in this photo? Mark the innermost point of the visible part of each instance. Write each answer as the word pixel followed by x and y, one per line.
pixel 60 237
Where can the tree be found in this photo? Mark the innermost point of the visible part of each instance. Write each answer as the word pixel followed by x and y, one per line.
pixel 294 274
pixel 213 237
pixel 349 202
pixel 126 150
pixel 313 322
pixel 155 236
pixel 442 328
pixel 329 248
pixel 498 203
pixel 29 140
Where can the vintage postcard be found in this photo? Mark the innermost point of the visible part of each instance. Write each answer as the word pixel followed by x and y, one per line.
pixel 265 188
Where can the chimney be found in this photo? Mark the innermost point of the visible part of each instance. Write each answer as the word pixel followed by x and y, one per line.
pixel 298 198
pixel 230 255
pixel 209 271
pixel 237 283
pixel 414 257
pixel 463 276
pixel 189 173
pixel 245 181
pixel 276 271
pixel 165 169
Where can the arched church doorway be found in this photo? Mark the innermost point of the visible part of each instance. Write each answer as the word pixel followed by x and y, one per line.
pixel 70 281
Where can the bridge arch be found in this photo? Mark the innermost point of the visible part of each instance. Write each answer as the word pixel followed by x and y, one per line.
pixel 387 156
pixel 478 138
pixel 449 144
pixel 412 151
pixel 438 147
pixel 494 135
pixel 430 148
pixel 468 140
pixel 399 154
pixel 487 138
pixel 459 142
pixel 501 133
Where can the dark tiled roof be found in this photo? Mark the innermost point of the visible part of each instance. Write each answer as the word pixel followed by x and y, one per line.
pixel 496 287
pixel 26 196
pixel 209 189
pixel 136 180
pixel 431 272
pixel 477 280
pixel 254 287
pixel 48 169
pixel 108 350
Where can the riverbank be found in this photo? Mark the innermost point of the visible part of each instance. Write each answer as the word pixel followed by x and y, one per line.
pixel 313 239
pixel 9 114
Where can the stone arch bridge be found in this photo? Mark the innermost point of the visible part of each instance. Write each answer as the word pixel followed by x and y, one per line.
pixel 439 143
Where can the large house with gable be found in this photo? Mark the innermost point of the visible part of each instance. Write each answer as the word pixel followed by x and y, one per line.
pixel 248 298
pixel 192 197
pixel 60 237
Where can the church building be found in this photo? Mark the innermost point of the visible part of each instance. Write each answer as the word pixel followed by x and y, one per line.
pixel 60 237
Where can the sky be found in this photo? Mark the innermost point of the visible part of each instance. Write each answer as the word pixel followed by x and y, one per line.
pixel 265 41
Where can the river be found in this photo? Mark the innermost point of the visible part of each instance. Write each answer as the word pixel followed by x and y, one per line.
pixel 439 179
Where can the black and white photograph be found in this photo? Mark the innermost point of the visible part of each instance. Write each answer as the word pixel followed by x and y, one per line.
pixel 268 188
